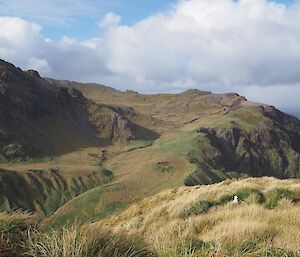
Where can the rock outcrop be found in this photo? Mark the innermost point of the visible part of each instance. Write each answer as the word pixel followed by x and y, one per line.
pixel 272 149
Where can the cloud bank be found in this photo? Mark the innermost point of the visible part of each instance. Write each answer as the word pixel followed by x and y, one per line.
pixel 248 46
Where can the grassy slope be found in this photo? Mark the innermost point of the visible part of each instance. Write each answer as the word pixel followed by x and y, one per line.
pixel 18 238
pixel 139 174
pixel 195 221
pixel 136 176
pixel 266 219
pixel 176 109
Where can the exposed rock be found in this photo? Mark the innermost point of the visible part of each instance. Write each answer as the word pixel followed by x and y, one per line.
pixel 261 152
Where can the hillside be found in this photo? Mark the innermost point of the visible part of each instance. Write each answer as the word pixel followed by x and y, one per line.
pixel 184 221
pixel 86 151
pixel 43 130
pixel 219 137
pixel 39 118
pixel 203 221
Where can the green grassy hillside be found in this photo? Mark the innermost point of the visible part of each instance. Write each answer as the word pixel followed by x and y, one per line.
pixel 43 191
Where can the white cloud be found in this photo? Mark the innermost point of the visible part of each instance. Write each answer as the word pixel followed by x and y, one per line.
pixel 218 42
pixel 39 64
pixel 249 46
pixel 22 44
pixel 110 19
pixel 284 96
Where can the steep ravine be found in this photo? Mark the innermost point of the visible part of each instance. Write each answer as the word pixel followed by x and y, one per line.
pixel 43 191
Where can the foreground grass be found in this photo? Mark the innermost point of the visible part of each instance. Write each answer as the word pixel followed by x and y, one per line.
pixel 13 232
pixel 84 242
pixel 203 221
pixel 186 221
pixel 18 237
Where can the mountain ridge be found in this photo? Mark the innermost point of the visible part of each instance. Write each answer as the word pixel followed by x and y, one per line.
pixel 27 98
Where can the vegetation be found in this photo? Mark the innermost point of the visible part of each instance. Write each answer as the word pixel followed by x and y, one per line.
pixel 195 221
pixel 20 238
pixel 203 221
pixel 43 191
pixel 14 230
pixel 179 144
pixel 164 167
pixel 276 194
pixel 246 118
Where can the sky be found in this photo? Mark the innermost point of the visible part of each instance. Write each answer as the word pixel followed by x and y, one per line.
pixel 251 47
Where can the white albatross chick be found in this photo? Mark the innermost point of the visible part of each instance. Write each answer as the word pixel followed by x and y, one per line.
pixel 235 199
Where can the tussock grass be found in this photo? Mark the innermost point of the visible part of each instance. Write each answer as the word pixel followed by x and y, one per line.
pixel 275 195
pixel 19 237
pixel 186 221
pixel 265 223
pixel 243 194
pixel 84 242
pixel 13 232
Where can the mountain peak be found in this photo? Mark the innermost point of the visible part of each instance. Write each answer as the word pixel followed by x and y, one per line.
pixel 8 71
pixel 33 73
pixel 196 91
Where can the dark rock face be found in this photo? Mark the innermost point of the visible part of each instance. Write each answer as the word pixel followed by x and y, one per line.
pixel 266 151
pixel 33 73
pixel 38 117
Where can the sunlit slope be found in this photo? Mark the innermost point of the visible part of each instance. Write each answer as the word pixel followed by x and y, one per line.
pixel 205 219
pixel 177 109
pixel 138 173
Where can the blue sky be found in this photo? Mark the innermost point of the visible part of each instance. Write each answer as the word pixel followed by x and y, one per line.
pixel 84 28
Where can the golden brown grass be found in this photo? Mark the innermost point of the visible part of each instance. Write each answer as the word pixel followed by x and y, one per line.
pixel 136 177
pixel 175 109
pixel 226 227
pixel 251 228
pixel 19 238
pixel 13 232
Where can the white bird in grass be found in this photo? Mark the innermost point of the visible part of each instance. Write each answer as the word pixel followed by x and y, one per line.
pixel 235 199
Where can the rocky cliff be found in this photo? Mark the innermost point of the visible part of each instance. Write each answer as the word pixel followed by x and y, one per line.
pixel 271 148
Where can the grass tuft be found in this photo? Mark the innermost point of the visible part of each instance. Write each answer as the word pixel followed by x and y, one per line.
pixel 13 232
pixel 203 206
pixel 275 195
pixel 79 241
